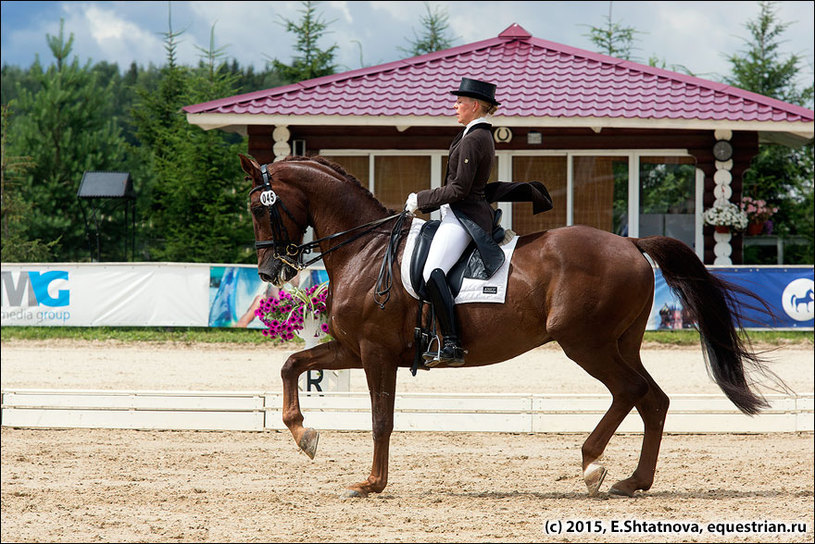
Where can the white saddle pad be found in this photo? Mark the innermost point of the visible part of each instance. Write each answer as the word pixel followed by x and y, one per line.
pixel 472 290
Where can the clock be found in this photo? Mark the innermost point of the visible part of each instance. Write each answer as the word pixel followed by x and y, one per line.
pixel 722 150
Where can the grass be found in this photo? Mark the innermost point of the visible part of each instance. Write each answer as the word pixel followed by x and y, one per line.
pixel 203 335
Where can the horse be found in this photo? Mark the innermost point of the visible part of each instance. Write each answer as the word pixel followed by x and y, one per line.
pixel 796 301
pixel 589 290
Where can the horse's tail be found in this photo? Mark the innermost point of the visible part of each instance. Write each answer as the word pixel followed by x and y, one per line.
pixel 711 303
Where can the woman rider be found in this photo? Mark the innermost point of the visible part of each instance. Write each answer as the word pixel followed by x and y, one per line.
pixel 464 210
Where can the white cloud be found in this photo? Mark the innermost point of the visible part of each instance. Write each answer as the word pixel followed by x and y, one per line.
pixel 694 34
pixel 402 12
pixel 117 37
pixel 342 7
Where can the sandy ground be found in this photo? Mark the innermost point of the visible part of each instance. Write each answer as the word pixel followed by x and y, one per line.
pixel 128 486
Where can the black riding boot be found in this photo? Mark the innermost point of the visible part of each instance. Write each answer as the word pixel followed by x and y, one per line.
pixel 440 296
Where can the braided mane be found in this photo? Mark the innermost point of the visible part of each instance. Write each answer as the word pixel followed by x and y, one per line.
pixel 343 174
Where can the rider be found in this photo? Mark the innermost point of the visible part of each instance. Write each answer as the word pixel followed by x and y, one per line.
pixel 464 209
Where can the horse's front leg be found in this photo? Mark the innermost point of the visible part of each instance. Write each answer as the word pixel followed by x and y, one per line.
pixel 381 376
pixel 328 356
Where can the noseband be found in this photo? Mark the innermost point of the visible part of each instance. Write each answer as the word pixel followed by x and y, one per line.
pixel 291 253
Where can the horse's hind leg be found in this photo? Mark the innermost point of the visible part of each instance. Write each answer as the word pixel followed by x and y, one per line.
pixel 626 386
pixel 652 408
pixel 328 356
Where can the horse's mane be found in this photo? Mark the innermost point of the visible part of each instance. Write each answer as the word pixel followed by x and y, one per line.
pixel 343 174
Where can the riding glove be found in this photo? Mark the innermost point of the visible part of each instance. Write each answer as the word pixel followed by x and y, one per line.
pixel 412 203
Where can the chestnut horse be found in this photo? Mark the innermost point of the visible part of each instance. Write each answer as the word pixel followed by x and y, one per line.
pixel 587 289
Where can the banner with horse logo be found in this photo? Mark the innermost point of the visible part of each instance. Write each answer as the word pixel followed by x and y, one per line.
pixel 788 290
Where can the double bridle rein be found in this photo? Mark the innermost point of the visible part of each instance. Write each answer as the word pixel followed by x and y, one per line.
pixel 293 254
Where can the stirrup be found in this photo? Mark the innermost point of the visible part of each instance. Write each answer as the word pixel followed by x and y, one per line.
pixel 449 354
pixel 432 358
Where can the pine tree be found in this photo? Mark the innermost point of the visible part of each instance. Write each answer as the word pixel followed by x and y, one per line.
pixel 760 68
pixel 780 175
pixel 65 123
pixel 197 205
pixel 434 36
pixel 16 246
pixel 311 61
pixel 614 39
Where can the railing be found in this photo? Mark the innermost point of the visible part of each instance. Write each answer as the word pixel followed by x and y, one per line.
pixel 777 241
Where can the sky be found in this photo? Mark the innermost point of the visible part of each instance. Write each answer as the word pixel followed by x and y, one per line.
pixel 696 35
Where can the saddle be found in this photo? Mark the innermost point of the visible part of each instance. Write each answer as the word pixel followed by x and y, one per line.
pixel 471 264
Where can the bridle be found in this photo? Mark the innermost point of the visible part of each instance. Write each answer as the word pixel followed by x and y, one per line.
pixel 282 246
pixel 293 254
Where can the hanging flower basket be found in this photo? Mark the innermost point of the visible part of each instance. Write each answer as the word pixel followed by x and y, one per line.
pixel 300 312
pixel 726 215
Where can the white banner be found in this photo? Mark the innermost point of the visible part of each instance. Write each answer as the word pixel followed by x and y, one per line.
pixel 96 294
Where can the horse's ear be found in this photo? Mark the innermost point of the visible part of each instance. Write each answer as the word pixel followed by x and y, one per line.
pixel 250 166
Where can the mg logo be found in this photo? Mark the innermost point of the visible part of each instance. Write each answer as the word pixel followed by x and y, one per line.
pixel 797 299
pixel 36 289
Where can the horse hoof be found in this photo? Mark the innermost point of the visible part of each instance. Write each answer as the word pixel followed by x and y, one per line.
pixel 353 494
pixel 308 443
pixel 617 492
pixel 593 476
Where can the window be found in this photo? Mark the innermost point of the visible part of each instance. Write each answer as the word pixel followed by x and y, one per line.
pixel 551 171
pixel 601 192
pixel 395 177
pixel 668 197
pixel 356 165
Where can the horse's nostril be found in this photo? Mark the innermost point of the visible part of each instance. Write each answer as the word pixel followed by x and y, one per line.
pixel 265 277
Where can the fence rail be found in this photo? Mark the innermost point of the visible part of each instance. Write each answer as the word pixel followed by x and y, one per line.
pixel 259 411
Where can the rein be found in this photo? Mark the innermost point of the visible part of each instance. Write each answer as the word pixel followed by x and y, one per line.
pixel 292 254
pixel 309 247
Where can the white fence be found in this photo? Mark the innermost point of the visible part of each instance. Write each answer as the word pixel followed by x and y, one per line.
pixel 255 411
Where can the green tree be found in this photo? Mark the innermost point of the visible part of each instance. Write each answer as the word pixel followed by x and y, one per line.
pixel 761 68
pixel 434 36
pixel 310 61
pixel 65 123
pixel 613 39
pixel 197 210
pixel 780 175
pixel 16 247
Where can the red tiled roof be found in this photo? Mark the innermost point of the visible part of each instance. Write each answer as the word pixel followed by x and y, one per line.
pixel 535 78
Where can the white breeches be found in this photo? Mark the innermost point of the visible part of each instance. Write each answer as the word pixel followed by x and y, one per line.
pixel 448 244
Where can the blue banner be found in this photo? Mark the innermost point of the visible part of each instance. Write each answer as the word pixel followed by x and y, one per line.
pixel 788 291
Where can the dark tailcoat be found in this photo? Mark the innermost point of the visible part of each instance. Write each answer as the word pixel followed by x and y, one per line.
pixel 468 171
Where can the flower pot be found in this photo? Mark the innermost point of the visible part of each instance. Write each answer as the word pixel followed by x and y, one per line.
pixel 755 228
pixel 721 228
pixel 312 331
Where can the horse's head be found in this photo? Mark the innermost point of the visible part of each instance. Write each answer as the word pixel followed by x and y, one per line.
pixel 279 221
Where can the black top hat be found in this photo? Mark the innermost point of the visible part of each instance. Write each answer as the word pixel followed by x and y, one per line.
pixel 477 89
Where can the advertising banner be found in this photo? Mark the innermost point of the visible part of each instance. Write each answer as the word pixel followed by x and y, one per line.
pixel 787 290
pixel 204 295
pixel 115 294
